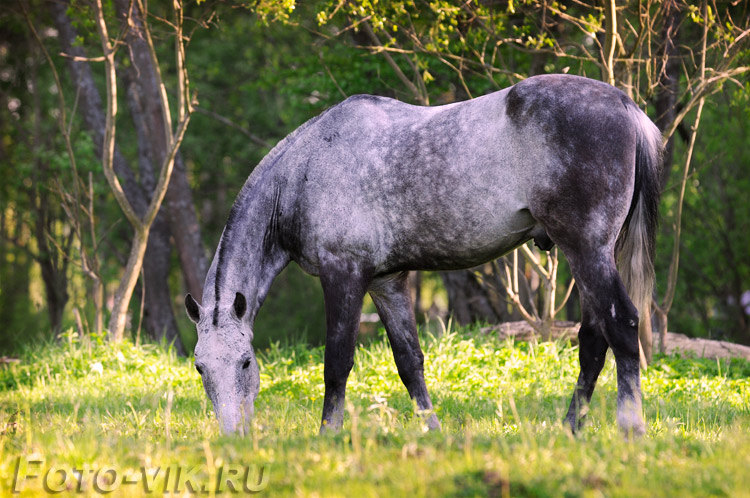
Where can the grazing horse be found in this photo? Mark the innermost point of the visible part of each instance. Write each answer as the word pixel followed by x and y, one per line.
pixel 373 188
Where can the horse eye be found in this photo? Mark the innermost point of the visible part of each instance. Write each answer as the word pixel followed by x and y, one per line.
pixel 246 364
pixel 199 369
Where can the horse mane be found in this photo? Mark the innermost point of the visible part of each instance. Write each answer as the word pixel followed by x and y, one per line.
pixel 266 163
pixel 283 144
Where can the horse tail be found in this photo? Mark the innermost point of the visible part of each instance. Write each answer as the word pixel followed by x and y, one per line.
pixel 635 243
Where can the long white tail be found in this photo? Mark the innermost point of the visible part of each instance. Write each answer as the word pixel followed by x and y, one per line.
pixel 635 244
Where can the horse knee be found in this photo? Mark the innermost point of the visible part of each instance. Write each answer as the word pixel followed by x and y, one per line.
pixel 414 357
pixel 622 333
pixel 335 374
pixel 615 316
pixel 410 365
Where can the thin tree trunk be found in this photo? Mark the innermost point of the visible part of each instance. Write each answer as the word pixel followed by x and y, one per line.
pixel 52 271
pixel 415 286
pixel 669 79
pixel 666 110
pixel 666 304
pixel 610 40
pixel 158 316
pixel 119 316
pixel 141 224
pixel 181 212
pixel 90 105
pixel 157 257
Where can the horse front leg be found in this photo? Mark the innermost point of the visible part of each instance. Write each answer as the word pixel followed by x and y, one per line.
pixel 344 287
pixel 393 302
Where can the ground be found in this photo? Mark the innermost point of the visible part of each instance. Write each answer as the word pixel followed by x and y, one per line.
pixel 76 415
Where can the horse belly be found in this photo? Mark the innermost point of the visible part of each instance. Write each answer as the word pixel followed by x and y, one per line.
pixel 458 239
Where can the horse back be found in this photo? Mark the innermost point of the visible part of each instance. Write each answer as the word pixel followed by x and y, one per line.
pixel 408 187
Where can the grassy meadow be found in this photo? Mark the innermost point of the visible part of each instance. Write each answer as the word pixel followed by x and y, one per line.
pixel 87 417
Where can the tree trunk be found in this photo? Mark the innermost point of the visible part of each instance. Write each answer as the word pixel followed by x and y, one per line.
pixel 573 306
pixel 645 335
pixel 183 221
pixel 666 110
pixel 468 300
pixel 180 208
pixel 53 266
pixel 90 105
pixel 91 108
pixel 669 79
pixel 119 316
pixel 610 41
pixel 415 290
pixel 55 286
pixel 158 316
pixel 661 320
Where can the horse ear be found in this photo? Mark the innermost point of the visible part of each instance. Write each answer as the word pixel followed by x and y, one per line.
pixel 240 305
pixel 193 308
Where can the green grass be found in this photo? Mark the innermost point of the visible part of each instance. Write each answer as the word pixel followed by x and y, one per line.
pixel 501 404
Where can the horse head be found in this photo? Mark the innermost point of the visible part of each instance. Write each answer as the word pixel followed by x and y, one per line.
pixel 225 359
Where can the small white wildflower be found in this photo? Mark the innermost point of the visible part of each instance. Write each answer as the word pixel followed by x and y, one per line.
pixel 120 357
pixel 97 368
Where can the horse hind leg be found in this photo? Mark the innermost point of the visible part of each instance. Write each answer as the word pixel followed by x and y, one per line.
pixel 393 302
pixel 610 315
pixel 592 350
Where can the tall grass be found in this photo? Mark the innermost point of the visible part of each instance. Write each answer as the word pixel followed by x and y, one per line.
pixel 94 404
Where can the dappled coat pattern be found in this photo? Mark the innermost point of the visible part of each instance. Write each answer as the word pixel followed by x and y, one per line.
pixel 373 188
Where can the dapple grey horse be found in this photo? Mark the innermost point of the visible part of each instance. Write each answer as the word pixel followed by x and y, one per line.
pixel 373 188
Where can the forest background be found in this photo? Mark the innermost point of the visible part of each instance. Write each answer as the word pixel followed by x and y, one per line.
pixel 204 89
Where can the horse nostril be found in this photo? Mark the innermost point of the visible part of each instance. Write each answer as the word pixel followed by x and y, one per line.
pixel 246 364
pixel 199 369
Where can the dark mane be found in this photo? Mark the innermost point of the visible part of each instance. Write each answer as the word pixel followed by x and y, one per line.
pixel 266 163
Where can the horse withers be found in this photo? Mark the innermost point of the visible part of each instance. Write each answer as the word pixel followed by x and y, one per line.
pixel 373 188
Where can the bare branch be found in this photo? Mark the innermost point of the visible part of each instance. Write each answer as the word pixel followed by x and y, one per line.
pixel 108 145
pixel 534 261
pixel 166 172
pixel 378 48
pixel 610 43
pixel 567 296
pixel 224 120
pixel 78 58
pixel 330 74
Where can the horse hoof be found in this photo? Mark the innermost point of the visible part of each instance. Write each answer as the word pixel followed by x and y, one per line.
pixel 329 428
pixel 632 427
pixel 433 424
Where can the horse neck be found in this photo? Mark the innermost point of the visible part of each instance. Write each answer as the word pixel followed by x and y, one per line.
pixel 249 255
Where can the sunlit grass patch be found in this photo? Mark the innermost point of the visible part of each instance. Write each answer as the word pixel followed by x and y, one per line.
pixel 501 405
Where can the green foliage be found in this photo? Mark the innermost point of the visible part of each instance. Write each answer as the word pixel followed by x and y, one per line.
pixel 501 405
pixel 270 66
pixel 714 260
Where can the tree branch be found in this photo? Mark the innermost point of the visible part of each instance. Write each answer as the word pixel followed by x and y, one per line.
pixel 422 99
pixel 108 145
pixel 224 120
